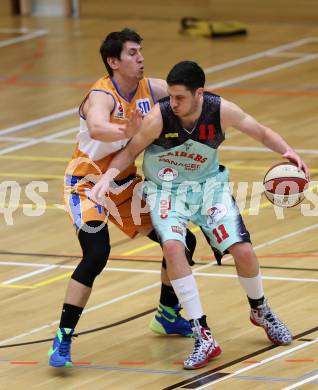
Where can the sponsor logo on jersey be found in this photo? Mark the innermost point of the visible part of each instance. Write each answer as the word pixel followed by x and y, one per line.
pixel 187 167
pixel 216 213
pixel 165 206
pixel 120 112
pixel 168 174
pixel 171 135
pixel 177 229
pixel 188 146
pixel 193 156
pixel 143 105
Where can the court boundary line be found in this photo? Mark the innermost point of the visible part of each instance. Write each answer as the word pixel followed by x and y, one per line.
pixel 224 148
pixel 208 70
pixel 56 141
pixel 39 121
pixel 38 140
pixel 258 364
pixel 203 266
pixel 298 384
pixel 232 81
pixel 261 54
pixel 88 310
pixel 135 270
pixel 210 373
pixel 288 235
pixel 28 34
pixel 149 287
pixel 262 72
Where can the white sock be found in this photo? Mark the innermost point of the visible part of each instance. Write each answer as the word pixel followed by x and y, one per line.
pixel 253 286
pixel 188 294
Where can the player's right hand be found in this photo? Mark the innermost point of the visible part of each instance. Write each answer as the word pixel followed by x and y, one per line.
pixel 293 157
pixel 134 123
pixel 101 188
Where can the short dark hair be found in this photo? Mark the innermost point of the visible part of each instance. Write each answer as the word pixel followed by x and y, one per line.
pixel 112 45
pixel 187 73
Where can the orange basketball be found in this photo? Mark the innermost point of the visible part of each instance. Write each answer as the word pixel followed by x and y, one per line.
pixel 284 184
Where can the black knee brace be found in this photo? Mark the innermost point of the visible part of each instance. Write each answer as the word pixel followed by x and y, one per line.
pixel 191 243
pixel 96 248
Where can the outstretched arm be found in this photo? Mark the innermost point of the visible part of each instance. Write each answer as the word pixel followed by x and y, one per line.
pixel 233 116
pixel 150 129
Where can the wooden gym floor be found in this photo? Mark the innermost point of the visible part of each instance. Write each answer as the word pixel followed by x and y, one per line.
pixel 47 67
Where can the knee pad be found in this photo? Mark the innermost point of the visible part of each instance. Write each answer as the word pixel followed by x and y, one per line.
pixel 96 249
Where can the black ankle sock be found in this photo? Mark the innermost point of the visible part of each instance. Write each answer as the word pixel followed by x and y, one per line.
pixel 202 322
pixel 168 296
pixel 70 316
pixel 254 303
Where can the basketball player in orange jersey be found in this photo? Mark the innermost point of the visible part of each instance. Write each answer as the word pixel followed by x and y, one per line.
pixel 103 132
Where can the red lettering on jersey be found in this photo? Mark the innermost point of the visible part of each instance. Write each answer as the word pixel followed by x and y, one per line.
pixel 165 206
pixel 198 157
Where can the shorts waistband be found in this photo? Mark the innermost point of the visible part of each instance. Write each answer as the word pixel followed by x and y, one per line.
pixel 73 180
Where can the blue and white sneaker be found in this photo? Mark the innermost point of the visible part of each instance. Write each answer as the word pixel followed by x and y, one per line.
pixel 60 353
pixel 168 321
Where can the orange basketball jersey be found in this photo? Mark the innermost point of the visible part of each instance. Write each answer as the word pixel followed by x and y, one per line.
pixel 92 157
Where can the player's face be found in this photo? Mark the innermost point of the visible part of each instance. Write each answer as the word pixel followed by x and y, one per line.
pixel 182 101
pixel 131 63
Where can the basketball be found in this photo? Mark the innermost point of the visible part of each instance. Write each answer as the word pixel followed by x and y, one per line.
pixel 284 184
